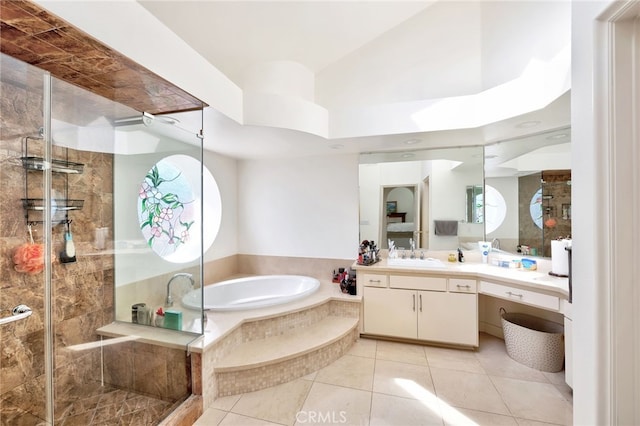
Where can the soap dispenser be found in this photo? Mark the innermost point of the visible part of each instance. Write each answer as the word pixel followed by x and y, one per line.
pixel 460 256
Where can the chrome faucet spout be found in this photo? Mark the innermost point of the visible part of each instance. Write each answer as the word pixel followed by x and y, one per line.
pixel 169 299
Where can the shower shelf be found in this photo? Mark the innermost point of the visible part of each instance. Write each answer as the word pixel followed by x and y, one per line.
pixel 60 207
pixel 58 166
pixel 57 204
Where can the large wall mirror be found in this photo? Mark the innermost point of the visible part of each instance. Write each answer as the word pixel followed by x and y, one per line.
pixel 508 182
pixel 420 196
pixel 533 176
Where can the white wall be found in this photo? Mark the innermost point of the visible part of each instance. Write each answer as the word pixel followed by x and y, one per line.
pixel 225 172
pixel 399 65
pixel 591 396
pixel 447 189
pixel 521 34
pixel 302 208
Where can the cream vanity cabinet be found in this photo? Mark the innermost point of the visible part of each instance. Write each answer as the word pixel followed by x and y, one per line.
pixel 435 309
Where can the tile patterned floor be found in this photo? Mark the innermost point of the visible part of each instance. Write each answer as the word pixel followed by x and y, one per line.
pixel 105 405
pixel 388 383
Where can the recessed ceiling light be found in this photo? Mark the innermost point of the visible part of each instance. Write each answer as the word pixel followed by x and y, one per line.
pixel 528 124
pixel 557 136
pixel 408 155
pixel 412 141
pixel 336 146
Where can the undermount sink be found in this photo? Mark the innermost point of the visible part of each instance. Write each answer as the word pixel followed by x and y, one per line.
pixel 416 263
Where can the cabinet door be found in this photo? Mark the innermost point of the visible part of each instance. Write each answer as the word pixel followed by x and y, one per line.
pixel 390 312
pixel 448 317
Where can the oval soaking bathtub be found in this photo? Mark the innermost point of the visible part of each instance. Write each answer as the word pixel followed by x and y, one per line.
pixel 252 292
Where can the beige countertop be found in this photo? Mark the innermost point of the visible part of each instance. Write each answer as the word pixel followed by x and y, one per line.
pixel 538 280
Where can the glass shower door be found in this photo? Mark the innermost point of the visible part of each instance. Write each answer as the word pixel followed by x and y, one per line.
pixel 66 203
pixel 25 363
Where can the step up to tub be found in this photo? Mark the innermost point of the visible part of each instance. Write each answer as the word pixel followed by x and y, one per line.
pixel 261 363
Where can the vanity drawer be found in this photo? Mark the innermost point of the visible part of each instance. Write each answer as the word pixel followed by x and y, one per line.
pixel 459 285
pixel 373 280
pixel 521 296
pixel 418 283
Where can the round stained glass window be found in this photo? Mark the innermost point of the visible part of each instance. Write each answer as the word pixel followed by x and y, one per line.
pixel 169 209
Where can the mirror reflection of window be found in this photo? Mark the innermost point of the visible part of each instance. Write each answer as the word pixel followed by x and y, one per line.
pixel 475 212
pixel 495 209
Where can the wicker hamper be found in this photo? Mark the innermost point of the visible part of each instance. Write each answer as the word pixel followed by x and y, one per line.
pixel 534 342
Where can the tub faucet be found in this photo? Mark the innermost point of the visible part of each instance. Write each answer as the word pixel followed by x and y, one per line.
pixel 169 300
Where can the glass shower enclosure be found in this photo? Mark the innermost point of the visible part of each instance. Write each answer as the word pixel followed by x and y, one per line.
pixel 101 225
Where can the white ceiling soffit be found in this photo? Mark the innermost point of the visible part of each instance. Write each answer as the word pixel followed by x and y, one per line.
pixel 300 64
pixel 519 62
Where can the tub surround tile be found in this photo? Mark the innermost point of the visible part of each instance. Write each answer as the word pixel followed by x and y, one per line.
pixel 321 269
pixel 249 380
pixel 301 340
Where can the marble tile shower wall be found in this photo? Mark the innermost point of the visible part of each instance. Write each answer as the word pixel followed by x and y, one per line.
pixel 82 291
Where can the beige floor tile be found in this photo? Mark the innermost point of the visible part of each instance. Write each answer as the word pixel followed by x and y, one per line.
pixel 310 376
pixel 467 390
pixel 350 371
pixel 364 347
pixel 453 359
pixel 558 380
pixel 401 352
pixel 463 417
pixel 400 379
pixel 491 343
pixel 500 364
pixel 211 417
pixel 524 422
pixel 329 404
pixel 225 403
pixel 232 419
pixel 278 404
pixel 534 401
pixel 395 410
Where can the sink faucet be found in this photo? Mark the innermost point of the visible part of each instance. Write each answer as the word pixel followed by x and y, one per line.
pixel 495 243
pixel 169 300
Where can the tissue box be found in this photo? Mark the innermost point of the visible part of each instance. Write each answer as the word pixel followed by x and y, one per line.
pixel 173 319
